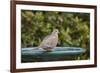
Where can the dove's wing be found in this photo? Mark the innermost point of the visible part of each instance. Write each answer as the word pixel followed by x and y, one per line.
pixel 49 41
pixel 46 37
pixel 45 42
pixel 53 41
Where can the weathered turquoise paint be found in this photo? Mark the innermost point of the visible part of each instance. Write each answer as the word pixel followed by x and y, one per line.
pixel 58 53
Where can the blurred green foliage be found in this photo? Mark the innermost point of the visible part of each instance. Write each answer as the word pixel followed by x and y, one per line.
pixel 74 28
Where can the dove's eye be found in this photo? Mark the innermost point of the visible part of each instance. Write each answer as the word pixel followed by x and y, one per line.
pixel 56 31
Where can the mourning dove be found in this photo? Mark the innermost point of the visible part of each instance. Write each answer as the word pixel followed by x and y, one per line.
pixel 50 41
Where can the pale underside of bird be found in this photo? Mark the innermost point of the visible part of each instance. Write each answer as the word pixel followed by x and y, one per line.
pixel 50 41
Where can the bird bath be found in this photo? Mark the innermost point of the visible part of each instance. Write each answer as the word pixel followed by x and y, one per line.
pixel 57 54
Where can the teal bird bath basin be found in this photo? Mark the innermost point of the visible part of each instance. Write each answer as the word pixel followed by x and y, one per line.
pixel 57 54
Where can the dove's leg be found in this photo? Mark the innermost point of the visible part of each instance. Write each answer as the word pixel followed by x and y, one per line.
pixel 48 49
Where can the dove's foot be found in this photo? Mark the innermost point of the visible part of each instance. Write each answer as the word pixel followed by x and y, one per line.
pixel 48 49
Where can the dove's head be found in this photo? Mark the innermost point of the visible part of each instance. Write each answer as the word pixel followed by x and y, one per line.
pixel 55 31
